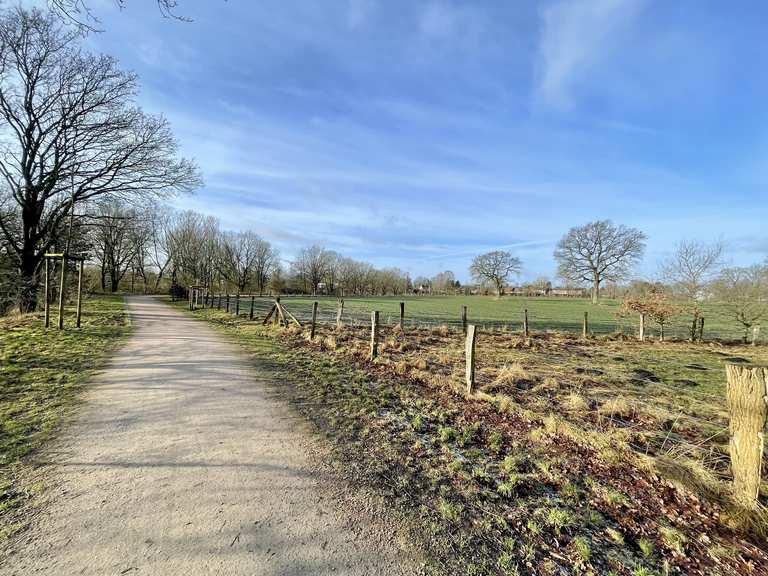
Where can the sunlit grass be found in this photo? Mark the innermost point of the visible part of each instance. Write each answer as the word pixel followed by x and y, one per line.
pixel 41 372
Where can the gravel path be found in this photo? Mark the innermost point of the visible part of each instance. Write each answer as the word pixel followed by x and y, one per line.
pixel 182 462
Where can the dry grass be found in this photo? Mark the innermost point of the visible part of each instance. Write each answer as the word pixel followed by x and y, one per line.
pixel 617 407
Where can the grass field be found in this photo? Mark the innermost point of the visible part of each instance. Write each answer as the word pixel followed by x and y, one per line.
pixel 598 456
pixel 555 314
pixel 41 372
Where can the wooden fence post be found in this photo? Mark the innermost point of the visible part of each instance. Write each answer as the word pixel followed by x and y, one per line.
pixel 585 325
pixel 526 331
pixel 747 412
pixel 250 315
pixel 755 334
pixel 402 315
pixel 314 320
pixel 701 329
pixel 276 319
pixel 227 302
pixel 374 334
pixel 339 312
pixel 237 304
pixel 47 296
pixel 642 327
pixel 470 354
pixel 62 289
pixel 464 319
pixel 79 293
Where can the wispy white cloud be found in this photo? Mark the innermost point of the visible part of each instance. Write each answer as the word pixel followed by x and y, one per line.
pixel 577 36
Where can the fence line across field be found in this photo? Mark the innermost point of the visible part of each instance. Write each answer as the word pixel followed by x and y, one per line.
pixel 329 312
pixel 746 392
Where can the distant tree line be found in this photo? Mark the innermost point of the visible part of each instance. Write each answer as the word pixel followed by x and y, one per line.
pixel 84 170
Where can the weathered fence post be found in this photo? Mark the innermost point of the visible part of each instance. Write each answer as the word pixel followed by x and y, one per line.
pixel 314 320
pixel 339 312
pixel 374 334
pixel 276 319
pixel 701 329
pixel 47 297
pixel 642 327
pixel 402 314
pixel 747 415
pixel 526 331
pixel 79 293
pixel 464 319
pixel 470 354
pixel 585 325
pixel 237 304
pixel 227 303
pixel 755 334
pixel 250 315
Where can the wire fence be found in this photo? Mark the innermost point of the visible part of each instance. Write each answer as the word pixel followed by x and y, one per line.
pixel 563 316
pixel 708 445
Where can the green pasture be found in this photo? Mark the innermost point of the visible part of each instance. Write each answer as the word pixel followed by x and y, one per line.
pixel 544 313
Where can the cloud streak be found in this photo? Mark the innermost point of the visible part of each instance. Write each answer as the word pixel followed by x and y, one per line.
pixel 576 37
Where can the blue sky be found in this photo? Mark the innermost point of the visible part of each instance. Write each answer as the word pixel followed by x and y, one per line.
pixel 418 134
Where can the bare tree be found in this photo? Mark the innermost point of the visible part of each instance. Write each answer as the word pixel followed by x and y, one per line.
pixel 311 265
pixel 241 253
pixel 71 133
pixel 443 281
pixel 690 269
pixel 79 12
pixel 494 268
pixel 158 219
pixel 597 252
pixel 744 292
pixel 194 247
pixel 265 264
pixel 113 242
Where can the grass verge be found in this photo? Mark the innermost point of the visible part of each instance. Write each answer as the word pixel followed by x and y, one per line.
pixel 41 373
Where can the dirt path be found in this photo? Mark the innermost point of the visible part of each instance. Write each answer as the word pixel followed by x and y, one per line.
pixel 181 463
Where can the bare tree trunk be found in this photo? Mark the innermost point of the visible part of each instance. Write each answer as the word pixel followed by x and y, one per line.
pixel 28 282
pixel 694 325
pixel 595 288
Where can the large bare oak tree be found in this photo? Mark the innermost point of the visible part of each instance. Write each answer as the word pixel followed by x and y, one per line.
pixel 495 268
pixel 71 133
pixel 597 252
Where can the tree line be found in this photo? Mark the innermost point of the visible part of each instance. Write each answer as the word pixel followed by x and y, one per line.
pixel 696 273
pixel 84 170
